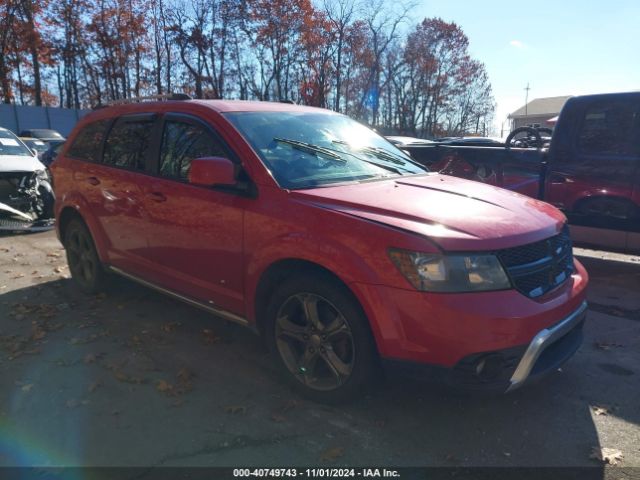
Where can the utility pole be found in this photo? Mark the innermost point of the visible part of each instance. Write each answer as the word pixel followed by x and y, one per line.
pixel 526 100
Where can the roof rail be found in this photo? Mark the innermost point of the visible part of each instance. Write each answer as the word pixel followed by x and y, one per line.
pixel 169 96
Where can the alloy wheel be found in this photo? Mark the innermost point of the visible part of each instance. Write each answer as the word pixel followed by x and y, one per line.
pixel 315 341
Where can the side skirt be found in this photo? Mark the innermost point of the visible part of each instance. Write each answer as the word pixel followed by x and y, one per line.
pixel 232 317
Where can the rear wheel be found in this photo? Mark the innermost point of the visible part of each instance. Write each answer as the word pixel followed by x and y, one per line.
pixel 321 339
pixel 84 264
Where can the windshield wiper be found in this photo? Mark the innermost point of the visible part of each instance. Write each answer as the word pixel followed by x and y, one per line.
pixel 335 154
pixel 311 148
pixel 382 154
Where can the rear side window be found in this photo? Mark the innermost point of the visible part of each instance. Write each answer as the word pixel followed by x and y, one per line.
pixel 128 143
pixel 88 142
pixel 181 143
pixel 608 128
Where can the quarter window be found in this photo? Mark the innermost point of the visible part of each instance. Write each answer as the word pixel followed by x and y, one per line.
pixel 607 128
pixel 128 143
pixel 88 142
pixel 181 143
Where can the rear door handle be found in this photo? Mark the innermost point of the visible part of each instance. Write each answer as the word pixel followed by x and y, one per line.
pixel 93 180
pixel 158 197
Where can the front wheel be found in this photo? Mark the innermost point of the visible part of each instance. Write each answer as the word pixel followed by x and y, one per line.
pixel 321 339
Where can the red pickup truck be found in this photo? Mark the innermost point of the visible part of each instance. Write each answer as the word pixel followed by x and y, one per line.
pixel 590 169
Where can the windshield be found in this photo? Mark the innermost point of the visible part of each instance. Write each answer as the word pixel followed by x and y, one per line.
pixel 310 149
pixel 10 145
pixel 37 145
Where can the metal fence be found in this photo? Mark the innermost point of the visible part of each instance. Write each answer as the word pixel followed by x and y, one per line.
pixel 20 117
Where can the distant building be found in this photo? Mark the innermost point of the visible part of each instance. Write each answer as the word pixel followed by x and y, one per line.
pixel 538 112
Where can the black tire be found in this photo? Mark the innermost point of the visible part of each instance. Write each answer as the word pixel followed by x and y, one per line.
pixel 82 257
pixel 331 360
pixel 530 131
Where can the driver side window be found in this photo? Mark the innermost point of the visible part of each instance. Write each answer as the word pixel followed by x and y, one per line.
pixel 181 143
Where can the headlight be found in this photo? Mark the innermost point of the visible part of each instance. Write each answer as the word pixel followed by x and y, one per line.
pixel 451 273
pixel 42 175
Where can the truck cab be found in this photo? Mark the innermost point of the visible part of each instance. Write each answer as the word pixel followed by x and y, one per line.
pixel 590 170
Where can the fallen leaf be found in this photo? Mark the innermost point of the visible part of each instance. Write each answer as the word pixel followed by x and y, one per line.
pixel 332 454
pixel 209 337
pixel 169 327
pixel 607 455
pixel 27 388
pixel 20 275
pixel 72 403
pixel 53 254
pixel 506 454
pixel 607 345
pixel 38 333
pixel 601 409
pixel 184 375
pixel 89 358
pixel 235 409
pixel 92 388
pixel 123 377
pixel 164 387
pixel 178 402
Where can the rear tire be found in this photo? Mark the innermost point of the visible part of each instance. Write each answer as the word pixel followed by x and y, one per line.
pixel 320 339
pixel 82 257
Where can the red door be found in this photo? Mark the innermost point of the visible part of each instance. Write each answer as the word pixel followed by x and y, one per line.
pixel 115 194
pixel 195 233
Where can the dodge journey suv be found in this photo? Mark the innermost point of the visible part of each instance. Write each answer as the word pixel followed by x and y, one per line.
pixel 323 237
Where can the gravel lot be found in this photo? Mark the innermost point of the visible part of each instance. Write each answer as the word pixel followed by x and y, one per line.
pixel 133 378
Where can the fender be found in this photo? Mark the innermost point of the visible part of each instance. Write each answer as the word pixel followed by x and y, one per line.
pixel 340 260
pixel 78 203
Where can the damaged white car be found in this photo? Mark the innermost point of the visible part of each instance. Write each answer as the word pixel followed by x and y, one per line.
pixel 26 196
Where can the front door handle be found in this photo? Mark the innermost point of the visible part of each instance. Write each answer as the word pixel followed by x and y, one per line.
pixel 158 197
pixel 93 180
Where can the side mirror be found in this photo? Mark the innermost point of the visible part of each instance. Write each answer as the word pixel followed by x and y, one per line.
pixel 210 171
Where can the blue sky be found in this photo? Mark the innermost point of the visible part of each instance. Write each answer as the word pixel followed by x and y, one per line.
pixel 560 47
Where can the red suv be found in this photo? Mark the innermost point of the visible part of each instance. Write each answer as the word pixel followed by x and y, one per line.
pixel 317 233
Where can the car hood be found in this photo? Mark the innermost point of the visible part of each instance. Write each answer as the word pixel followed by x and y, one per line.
pixel 18 163
pixel 455 213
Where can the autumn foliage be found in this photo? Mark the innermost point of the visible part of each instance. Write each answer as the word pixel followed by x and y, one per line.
pixel 363 59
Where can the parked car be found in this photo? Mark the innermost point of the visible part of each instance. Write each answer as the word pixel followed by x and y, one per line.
pixel 590 169
pixel 35 144
pixel 42 133
pixel 470 141
pixel 49 155
pixel 314 231
pixel 26 196
pixel 405 141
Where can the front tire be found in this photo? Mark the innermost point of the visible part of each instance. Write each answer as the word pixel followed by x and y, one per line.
pixel 320 339
pixel 84 264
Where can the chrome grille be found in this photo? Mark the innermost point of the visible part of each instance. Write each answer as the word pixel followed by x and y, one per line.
pixel 539 267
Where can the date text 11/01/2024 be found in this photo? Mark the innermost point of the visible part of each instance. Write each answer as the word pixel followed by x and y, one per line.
pixel 316 473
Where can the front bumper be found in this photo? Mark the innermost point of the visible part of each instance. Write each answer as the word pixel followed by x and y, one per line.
pixel 507 369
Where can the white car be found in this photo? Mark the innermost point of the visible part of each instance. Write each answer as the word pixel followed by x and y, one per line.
pixel 26 196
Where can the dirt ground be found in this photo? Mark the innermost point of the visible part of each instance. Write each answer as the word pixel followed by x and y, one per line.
pixel 133 378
